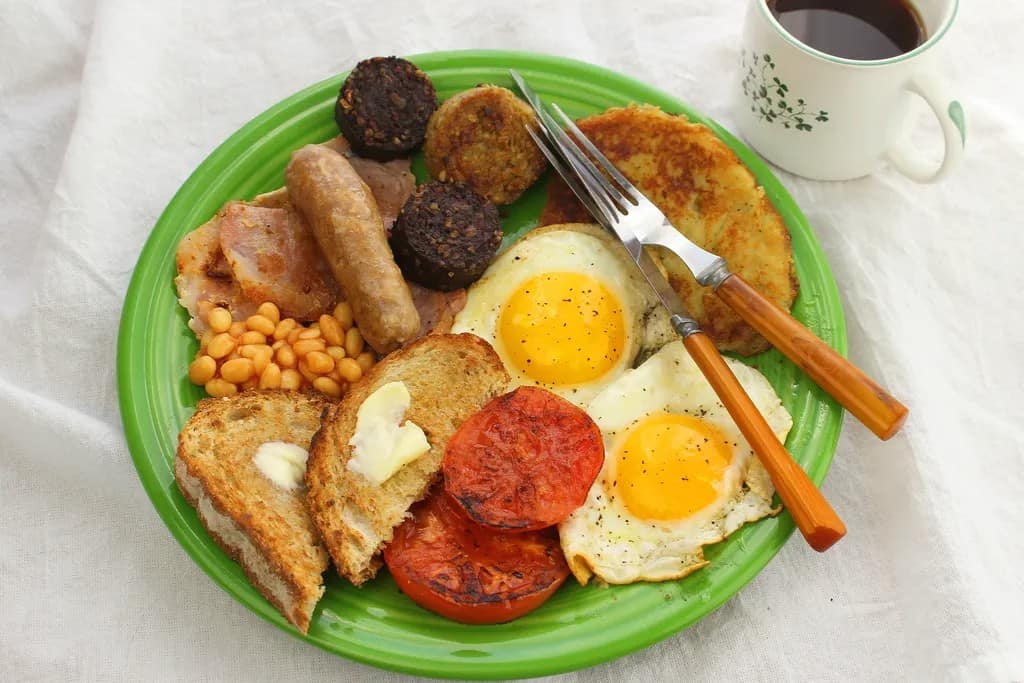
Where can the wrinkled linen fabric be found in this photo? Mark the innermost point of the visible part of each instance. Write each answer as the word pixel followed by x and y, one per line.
pixel 107 106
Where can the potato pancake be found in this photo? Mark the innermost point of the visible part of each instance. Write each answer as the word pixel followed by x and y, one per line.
pixel 710 196
pixel 479 137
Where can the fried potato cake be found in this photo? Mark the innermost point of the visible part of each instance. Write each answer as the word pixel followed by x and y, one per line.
pixel 479 137
pixel 710 196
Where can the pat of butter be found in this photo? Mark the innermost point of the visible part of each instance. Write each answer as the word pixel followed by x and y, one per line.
pixel 282 463
pixel 381 444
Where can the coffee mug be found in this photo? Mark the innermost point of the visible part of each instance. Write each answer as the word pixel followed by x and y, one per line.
pixel 830 118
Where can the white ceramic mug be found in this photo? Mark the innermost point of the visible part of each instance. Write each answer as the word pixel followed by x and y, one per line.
pixel 831 118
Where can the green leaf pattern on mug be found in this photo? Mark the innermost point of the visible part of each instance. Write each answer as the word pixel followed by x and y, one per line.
pixel 770 98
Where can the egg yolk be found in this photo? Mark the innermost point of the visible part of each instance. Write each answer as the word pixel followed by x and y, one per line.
pixel 563 328
pixel 670 466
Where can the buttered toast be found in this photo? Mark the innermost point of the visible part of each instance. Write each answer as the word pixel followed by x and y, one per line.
pixel 262 526
pixel 449 377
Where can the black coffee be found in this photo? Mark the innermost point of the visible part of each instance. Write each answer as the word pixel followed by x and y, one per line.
pixel 854 29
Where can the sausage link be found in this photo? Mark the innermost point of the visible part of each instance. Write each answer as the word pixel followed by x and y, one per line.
pixel 347 225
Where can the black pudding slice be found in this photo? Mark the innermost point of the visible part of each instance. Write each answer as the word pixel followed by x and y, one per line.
pixel 383 107
pixel 445 236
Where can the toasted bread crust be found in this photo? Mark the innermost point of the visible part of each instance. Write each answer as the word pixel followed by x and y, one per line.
pixel 265 529
pixel 234 542
pixel 449 377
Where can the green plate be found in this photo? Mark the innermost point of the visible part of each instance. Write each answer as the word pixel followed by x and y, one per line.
pixel 579 626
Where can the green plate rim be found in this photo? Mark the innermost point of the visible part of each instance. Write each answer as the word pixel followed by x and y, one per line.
pixel 132 388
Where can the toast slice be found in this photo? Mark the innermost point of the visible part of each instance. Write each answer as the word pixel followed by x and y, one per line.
pixel 263 527
pixel 449 377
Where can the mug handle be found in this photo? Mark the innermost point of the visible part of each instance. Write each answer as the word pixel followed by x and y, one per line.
pixel 950 114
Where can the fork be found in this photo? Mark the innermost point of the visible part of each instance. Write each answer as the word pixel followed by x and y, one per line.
pixel 812 514
pixel 613 193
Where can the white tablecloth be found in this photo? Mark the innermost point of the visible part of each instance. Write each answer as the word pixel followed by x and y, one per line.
pixel 105 108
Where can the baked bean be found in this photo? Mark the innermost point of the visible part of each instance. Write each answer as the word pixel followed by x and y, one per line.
pixel 353 342
pixel 284 328
pixel 218 388
pixel 332 330
pixel 304 346
pixel 290 379
pixel 260 324
pixel 319 362
pixel 261 359
pixel 219 319
pixel 326 385
pixel 270 378
pixel 349 369
pixel 202 370
pixel 252 337
pixel 270 311
pixel 221 345
pixel 285 357
pixel 343 314
pixel 237 371
pixel 366 360
pixel 206 338
pixel 269 352
pixel 306 372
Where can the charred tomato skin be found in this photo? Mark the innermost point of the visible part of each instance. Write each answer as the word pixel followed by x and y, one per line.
pixel 525 461
pixel 448 564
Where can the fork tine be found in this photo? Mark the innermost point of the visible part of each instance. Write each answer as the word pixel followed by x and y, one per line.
pixel 597 186
pixel 598 182
pixel 571 179
pixel 590 147
pixel 533 99
pixel 595 183
pixel 591 178
pixel 572 150
pixel 590 174
pixel 531 96
pixel 580 179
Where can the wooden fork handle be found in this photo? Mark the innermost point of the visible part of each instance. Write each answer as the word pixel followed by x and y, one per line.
pixel 815 518
pixel 876 408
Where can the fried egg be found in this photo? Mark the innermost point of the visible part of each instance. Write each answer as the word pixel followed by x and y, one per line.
pixel 565 309
pixel 678 474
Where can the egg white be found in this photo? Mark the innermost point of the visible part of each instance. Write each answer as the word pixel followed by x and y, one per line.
pixel 604 538
pixel 579 248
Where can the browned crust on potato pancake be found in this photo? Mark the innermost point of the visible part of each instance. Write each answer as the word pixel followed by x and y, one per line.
pixel 479 137
pixel 710 196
